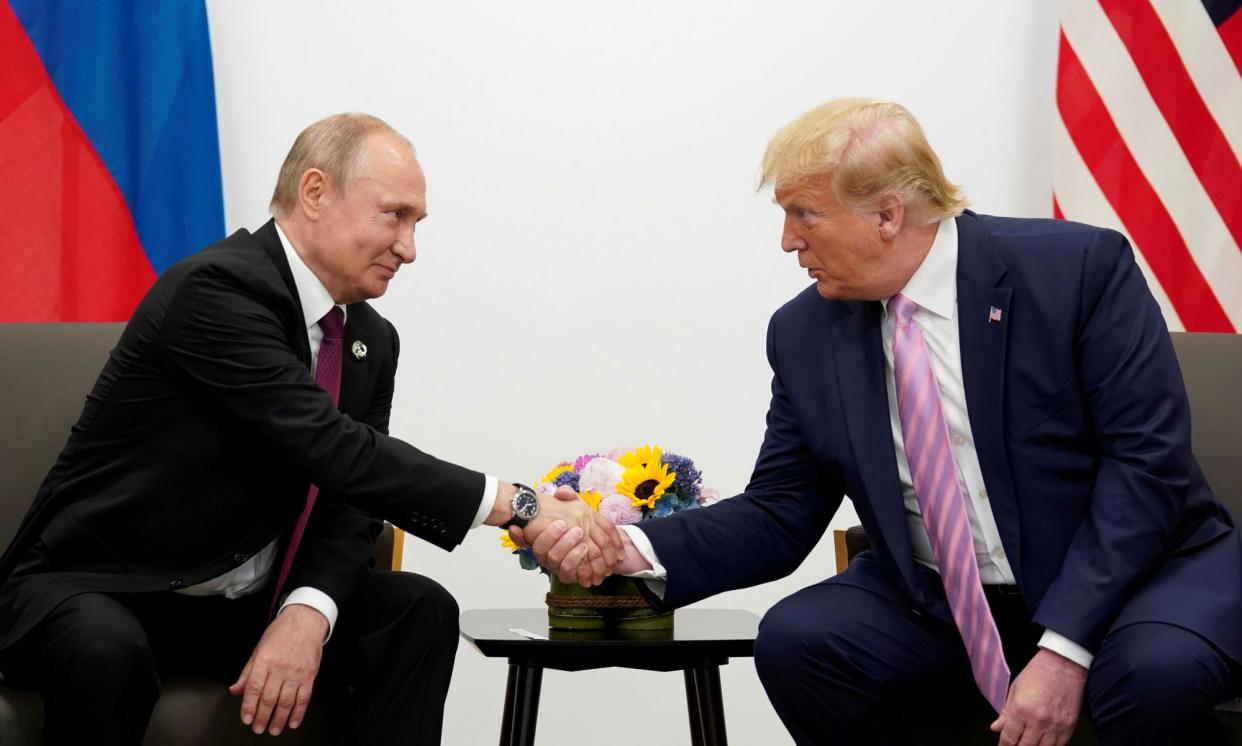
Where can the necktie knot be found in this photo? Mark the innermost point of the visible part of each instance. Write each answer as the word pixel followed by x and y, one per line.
pixel 903 308
pixel 333 324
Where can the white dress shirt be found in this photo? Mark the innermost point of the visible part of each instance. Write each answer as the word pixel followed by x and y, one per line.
pixel 250 576
pixel 934 289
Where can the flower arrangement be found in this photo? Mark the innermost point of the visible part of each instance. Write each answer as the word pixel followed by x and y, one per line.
pixel 627 486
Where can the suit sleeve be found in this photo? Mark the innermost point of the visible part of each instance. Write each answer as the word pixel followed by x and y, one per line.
pixel 223 340
pixel 338 548
pixel 762 534
pixel 1137 405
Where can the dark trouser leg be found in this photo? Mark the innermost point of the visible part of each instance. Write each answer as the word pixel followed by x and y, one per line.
pixel 93 663
pixel 843 665
pixel 390 660
pixel 1155 683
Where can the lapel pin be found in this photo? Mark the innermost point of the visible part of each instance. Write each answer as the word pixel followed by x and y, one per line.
pixel 994 314
pixel 359 350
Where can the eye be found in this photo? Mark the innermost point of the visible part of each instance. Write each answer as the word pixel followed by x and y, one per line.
pixel 395 213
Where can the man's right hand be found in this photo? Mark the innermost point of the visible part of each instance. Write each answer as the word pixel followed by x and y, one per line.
pixel 587 546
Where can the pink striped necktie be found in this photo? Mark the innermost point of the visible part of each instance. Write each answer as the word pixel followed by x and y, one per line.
pixel 934 473
pixel 328 376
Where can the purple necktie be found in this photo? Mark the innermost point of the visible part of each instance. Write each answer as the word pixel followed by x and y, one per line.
pixel 328 376
pixel 934 474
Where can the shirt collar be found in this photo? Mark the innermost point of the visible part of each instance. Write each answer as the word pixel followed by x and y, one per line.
pixel 316 300
pixel 934 284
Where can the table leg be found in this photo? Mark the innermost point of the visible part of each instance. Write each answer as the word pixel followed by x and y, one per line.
pixel 692 706
pixel 517 727
pixel 706 681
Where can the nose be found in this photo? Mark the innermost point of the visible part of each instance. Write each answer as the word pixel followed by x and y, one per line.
pixel 790 240
pixel 404 247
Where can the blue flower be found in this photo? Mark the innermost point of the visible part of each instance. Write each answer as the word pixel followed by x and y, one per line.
pixel 569 478
pixel 526 558
pixel 689 479
pixel 667 505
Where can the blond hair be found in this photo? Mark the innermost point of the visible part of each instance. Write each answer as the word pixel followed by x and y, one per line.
pixel 870 149
pixel 335 145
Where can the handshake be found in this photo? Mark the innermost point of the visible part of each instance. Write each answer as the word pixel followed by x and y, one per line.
pixel 574 542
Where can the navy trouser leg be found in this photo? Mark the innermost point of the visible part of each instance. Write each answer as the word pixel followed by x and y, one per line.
pixel 843 665
pixel 1155 684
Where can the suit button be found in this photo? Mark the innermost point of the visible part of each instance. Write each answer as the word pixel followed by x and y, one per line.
pixel 240 557
pixel 176 584
pixel 441 529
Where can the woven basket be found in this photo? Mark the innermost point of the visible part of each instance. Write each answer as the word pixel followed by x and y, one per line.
pixel 615 603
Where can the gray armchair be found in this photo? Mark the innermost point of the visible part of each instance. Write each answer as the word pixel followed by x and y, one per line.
pixel 1210 364
pixel 46 371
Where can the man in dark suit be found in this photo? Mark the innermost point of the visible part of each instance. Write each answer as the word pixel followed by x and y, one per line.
pixel 1000 399
pixel 177 532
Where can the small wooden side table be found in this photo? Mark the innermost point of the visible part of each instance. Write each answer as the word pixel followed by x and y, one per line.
pixel 701 641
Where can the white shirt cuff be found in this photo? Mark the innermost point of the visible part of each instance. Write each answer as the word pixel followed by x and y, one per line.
pixel 1066 648
pixel 317 600
pixel 657 577
pixel 490 485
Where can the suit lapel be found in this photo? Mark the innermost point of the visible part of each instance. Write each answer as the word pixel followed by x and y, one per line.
pixel 983 341
pixel 270 241
pixel 356 365
pixel 858 352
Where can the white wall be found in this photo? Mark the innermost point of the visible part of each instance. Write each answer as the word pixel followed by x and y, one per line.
pixel 598 269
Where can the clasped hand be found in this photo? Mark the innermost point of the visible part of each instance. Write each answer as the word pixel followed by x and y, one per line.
pixel 570 540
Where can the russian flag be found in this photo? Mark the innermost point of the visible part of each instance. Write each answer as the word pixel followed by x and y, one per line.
pixel 108 151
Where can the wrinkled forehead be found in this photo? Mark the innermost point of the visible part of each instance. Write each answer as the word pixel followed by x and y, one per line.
pixel 392 174
pixel 817 190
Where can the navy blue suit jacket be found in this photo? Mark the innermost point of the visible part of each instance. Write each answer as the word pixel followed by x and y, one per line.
pixel 1081 425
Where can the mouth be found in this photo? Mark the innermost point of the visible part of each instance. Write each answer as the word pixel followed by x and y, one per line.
pixel 387 272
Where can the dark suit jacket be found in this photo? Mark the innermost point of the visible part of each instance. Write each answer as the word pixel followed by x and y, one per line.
pixel 197 445
pixel 1081 425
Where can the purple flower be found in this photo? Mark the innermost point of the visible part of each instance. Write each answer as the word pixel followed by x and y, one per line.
pixel 569 478
pixel 689 479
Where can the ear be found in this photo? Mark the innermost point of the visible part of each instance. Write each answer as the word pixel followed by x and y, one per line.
pixel 314 193
pixel 892 216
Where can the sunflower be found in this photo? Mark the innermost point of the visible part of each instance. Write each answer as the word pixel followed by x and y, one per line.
pixel 645 484
pixel 640 456
pixel 591 498
pixel 557 470
pixel 508 543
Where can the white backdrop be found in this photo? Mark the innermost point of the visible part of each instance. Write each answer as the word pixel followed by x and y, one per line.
pixel 598 268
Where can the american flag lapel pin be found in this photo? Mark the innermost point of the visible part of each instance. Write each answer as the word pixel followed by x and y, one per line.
pixel 994 314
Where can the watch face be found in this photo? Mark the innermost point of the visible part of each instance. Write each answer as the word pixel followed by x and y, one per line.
pixel 526 504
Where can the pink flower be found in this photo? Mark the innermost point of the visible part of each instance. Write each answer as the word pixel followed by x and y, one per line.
pixel 600 475
pixel 619 510
pixel 617 453
pixel 708 495
pixel 585 459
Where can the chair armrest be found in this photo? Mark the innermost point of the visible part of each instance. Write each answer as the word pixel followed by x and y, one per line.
pixel 389 546
pixel 849 544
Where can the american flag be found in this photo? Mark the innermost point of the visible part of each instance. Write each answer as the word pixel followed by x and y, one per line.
pixel 994 314
pixel 1147 141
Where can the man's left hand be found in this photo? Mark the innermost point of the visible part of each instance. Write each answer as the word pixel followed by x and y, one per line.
pixel 276 683
pixel 1043 703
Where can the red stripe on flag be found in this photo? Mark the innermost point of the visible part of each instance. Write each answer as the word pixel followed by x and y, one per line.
pixel 1056 209
pixel 1231 34
pixel 71 252
pixel 1197 132
pixel 1123 183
